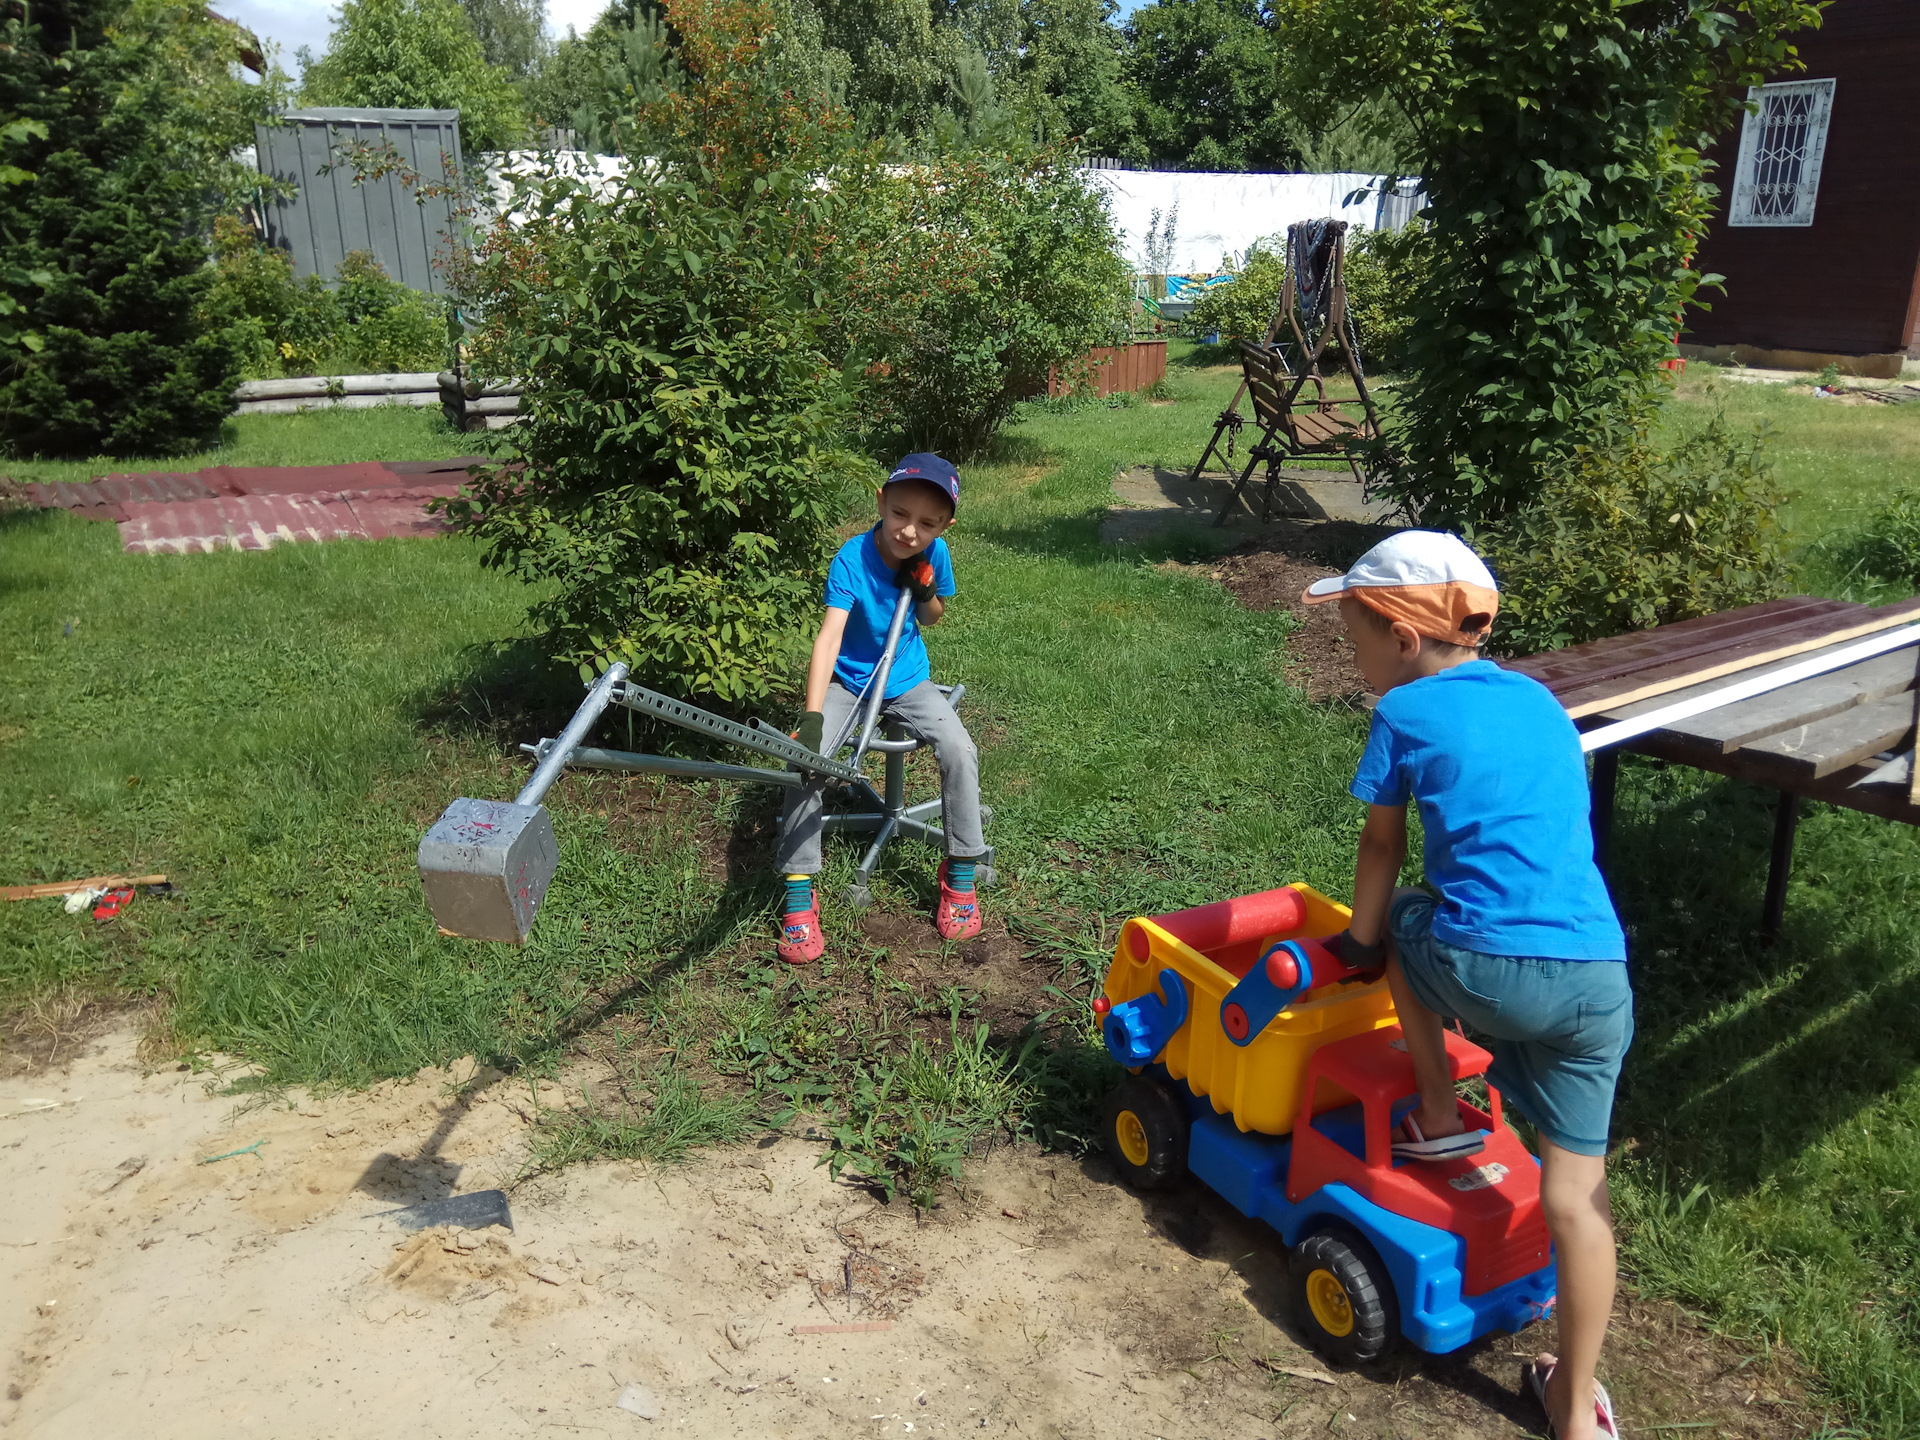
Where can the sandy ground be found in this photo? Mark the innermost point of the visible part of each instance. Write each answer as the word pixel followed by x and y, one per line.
pixel 144 1291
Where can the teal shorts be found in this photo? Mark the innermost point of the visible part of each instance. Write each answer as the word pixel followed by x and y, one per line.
pixel 1560 1028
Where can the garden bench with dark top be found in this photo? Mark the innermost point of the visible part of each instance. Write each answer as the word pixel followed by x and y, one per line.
pixel 1845 736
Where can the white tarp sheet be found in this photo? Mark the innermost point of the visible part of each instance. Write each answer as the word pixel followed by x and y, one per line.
pixel 1222 215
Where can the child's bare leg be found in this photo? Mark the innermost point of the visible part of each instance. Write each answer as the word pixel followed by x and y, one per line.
pixel 1439 1112
pixel 1573 1193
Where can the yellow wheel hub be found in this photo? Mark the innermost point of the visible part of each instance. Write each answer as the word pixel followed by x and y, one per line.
pixel 1327 1298
pixel 1132 1136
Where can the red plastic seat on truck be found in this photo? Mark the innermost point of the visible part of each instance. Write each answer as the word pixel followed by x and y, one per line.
pixel 1491 1200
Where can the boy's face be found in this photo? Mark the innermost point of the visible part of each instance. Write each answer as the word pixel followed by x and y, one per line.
pixel 912 517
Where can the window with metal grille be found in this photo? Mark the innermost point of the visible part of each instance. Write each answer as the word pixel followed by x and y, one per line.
pixel 1781 145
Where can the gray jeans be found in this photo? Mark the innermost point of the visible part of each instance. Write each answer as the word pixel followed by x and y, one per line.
pixel 926 714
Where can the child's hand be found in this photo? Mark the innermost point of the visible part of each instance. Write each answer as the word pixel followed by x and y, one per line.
pixel 1352 954
pixel 915 573
pixel 812 730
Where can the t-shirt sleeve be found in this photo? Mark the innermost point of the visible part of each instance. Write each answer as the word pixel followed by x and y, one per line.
pixel 942 561
pixel 1378 781
pixel 841 582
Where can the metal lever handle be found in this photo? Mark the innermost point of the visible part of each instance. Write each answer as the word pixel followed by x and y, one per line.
pixel 591 708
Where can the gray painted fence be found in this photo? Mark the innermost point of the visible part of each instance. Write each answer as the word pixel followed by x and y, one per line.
pixel 328 215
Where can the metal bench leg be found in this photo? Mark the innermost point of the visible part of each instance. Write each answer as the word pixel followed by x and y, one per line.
pixel 1786 823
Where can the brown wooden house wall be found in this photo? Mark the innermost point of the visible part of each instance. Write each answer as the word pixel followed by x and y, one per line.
pixel 1847 283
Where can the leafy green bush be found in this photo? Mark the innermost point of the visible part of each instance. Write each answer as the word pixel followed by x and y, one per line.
pixel 682 466
pixel 1383 273
pixel 1243 307
pixel 1885 547
pixel 120 122
pixel 366 324
pixel 1625 537
pixel 974 276
pixel 1386 272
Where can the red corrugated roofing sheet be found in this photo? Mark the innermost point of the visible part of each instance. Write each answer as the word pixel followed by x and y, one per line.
pixel 110 496
pixel 258 522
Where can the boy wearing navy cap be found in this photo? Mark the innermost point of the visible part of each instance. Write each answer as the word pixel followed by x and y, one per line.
pixel 903 551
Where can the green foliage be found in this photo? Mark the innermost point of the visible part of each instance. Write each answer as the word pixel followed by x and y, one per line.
pixel 125 118
pixel 416 55
pixel 605 80
pixel 510 32
pixel 1884 547
pixel 680 439
pixel 1243 307
pixel 912 1124
pixel 1627 536
pixel 366 324
pixel 678 1115
pixel 1562 145
pixel 977 273
pixel 1205 89
pixel 1386 275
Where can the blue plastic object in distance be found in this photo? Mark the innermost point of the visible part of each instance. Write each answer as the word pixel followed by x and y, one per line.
pixel 1251 1005
pixel 1136 1030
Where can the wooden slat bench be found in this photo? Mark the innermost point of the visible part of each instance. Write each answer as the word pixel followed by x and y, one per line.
pixel 1838 737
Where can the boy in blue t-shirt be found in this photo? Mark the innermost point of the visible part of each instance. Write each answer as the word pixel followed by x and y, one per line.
pixel 903 552
pixel 1521 941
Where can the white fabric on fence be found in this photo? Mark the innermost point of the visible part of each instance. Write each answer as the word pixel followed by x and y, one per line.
pixel 1222 215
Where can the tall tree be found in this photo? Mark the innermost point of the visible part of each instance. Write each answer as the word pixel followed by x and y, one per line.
pixel 1070 63
pixel 1206 90
pixel 1562 145
pixel 512 32
pixel 415 55
pixel 122 119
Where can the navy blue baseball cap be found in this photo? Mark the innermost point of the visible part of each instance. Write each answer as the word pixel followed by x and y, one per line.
pixel 933 470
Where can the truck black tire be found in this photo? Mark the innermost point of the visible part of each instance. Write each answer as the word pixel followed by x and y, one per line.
pixel 1145 1129
pixel 1343 1297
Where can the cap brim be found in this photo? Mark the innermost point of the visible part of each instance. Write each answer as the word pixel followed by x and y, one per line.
pixel 1321 591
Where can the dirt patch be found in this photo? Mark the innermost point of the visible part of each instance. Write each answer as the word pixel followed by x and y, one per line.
pixel 1003 981
pixel 744 1293
pixel 1269 572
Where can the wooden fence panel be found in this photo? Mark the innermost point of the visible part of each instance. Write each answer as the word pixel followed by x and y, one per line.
pixel 1117 368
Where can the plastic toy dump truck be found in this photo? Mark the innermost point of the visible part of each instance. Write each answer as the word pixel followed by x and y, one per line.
pixel 1274 1074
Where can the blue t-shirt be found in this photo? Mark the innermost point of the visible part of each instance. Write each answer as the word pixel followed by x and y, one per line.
pixel 1495 766
pixel 860 582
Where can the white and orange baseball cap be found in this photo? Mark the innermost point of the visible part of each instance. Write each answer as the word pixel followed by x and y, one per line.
pixel 1426 578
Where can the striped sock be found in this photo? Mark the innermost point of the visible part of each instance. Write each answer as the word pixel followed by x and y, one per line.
pixel 960 876
pixel 799 894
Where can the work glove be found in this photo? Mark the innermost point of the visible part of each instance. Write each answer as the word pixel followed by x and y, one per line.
pixel 1355 956
pixel 915 573
pixel 812 730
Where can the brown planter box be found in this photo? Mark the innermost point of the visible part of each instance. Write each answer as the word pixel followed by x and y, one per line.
pixel 1117 368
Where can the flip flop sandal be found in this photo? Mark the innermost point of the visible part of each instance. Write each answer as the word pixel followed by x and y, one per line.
pixel 1441 1147
pixel 1603 1417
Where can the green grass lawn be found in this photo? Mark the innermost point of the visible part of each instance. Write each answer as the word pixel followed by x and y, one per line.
pixel 275 730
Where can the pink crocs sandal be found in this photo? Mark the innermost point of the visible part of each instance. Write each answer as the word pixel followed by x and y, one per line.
pixel 958 915
pixel 801 942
